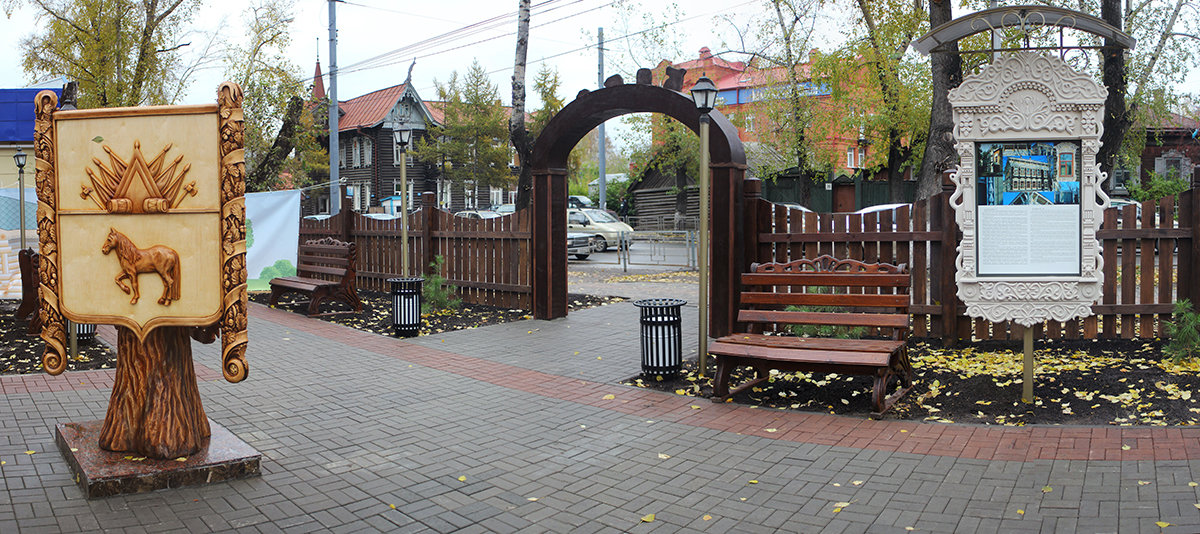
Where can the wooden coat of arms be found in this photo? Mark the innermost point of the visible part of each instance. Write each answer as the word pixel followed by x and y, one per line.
pixel 141 224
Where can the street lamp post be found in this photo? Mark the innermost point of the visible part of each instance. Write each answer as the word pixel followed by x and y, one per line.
pixel 402 137
pixel 19 159
pixel 704 93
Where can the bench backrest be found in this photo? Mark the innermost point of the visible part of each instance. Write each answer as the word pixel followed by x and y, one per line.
pixel 327 259
pixel 832 292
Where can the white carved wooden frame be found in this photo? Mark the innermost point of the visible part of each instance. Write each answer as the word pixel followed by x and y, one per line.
pixel 1027 96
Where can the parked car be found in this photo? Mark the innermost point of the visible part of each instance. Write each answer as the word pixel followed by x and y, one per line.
pixel 579 244
pixel 505 209
pixel 579 201
pixel 796 207
pixel 477 214
pixel 606 229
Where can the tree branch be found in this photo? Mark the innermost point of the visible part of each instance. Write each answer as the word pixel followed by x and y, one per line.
pixel 173 48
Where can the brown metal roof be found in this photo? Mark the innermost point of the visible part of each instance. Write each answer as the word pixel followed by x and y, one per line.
pixel 368 110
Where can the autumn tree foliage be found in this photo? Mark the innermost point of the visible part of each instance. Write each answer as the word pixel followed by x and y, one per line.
pixel 122 52
pixel 471 145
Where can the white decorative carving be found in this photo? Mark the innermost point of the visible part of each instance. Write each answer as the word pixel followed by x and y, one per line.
pixel 1028 96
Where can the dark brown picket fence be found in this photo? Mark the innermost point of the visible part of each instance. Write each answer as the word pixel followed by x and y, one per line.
pixel 1147 263
pixel 489 260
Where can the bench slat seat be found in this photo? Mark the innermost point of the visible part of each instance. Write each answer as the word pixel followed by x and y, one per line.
pixel 873 297
pixel 325 270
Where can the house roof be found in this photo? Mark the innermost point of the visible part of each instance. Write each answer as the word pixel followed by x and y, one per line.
pixel 1175 121
pixel 318 92
pixel 370 109
pixel 707 58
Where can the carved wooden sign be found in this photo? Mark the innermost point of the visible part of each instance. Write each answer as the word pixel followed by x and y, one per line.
pixel 143 202
pixel 1027 190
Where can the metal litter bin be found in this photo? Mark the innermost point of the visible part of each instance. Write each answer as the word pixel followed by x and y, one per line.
pixel 406 306
pixel 84 332
pixel 662 339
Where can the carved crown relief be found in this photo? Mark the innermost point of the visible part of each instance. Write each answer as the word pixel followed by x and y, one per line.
pixel 137 186
pixel 1027 96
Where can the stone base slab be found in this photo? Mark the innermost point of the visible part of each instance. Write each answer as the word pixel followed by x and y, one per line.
pixel 102 473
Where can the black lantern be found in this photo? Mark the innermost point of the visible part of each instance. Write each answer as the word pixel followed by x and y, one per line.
pixel 704 93
pixel 406 306
pixel 402 138
pixel 19 159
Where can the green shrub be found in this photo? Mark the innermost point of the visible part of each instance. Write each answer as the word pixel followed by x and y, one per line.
pixel 1184 330
pixel 437 294
pixel 1159 186
pixel 814 330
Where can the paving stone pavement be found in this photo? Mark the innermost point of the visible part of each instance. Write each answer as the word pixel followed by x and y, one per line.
pixel 509 428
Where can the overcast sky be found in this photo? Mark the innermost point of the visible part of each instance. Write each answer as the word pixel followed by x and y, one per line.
pixel 562 35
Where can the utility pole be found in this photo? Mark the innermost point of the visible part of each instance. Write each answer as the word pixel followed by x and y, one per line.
pixel 335 197
pixel 600 131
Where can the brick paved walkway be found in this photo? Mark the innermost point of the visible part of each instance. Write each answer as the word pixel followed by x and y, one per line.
pixel 508 428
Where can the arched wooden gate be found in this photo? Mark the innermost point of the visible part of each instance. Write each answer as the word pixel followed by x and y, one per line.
pixel 550 152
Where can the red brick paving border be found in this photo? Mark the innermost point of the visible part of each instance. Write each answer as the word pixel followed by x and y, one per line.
pixel 939 439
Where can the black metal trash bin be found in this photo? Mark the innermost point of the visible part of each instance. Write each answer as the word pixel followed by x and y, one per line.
pixel 662 338
pixel 85 332
pixel 406 306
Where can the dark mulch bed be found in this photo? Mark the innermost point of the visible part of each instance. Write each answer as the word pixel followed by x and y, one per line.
pixel 376 315
pixel 1115 382
pixel 21 353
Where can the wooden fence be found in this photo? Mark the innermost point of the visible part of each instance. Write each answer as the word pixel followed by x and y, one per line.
pixel 1147 263
pixel 489 260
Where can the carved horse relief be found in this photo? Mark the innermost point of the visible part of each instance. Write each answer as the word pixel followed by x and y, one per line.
pixel 135 261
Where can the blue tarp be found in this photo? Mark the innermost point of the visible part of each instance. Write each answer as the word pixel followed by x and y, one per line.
pixel 16 114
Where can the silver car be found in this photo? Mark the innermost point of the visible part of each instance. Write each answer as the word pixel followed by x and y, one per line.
pixel 607 230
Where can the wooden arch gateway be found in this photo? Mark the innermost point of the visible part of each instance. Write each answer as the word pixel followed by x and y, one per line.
pixel 549 204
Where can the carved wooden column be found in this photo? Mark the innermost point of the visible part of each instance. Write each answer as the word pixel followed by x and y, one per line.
pixel 549 252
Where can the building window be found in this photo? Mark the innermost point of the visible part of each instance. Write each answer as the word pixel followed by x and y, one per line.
pixel 343 153
pixel 469 195
pixel 356 152
pixel 368 151
pixel 496 196
pixel 444 191
pixel 850 157
pixel 749 122
pixel 862 157
pixel 1066 165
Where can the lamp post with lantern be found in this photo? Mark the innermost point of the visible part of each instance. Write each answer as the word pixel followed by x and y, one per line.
pixel 19 159
pixel 704 94
pixel 402 137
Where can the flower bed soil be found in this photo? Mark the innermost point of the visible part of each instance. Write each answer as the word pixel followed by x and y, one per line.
pixel 1117 382
pixel 21 353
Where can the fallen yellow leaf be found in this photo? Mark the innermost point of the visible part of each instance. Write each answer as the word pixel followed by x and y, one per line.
pixel 836 510
pixel 707 517
pixel 680 392
pixel 754 482
pixel 532 499
pixel 462 478
pixel 73 449
pixel 392 506
pixel 1143 482
pixel 841 504
pixel 772 430
pixel 857 482
pixel 1047 489
pixel 909 529
pixel 694 407
pixel 902 430
pixel 181 459
pixel 30 452
pixel 1192 484
pixel 648 518
pixel 1021 512
pixel 1197 505
pixel 1162 524
pixel 662 456
pixel 610 396
pixel 1125 447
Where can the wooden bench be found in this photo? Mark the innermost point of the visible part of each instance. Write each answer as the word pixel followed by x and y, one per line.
pixel 872 298
pixel 27 260
pixel 325 270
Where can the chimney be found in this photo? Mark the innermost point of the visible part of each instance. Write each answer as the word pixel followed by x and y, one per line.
pixel 705 53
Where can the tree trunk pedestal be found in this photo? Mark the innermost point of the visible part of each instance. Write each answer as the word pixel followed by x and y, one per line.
pixel 102 473
pixel 155 434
